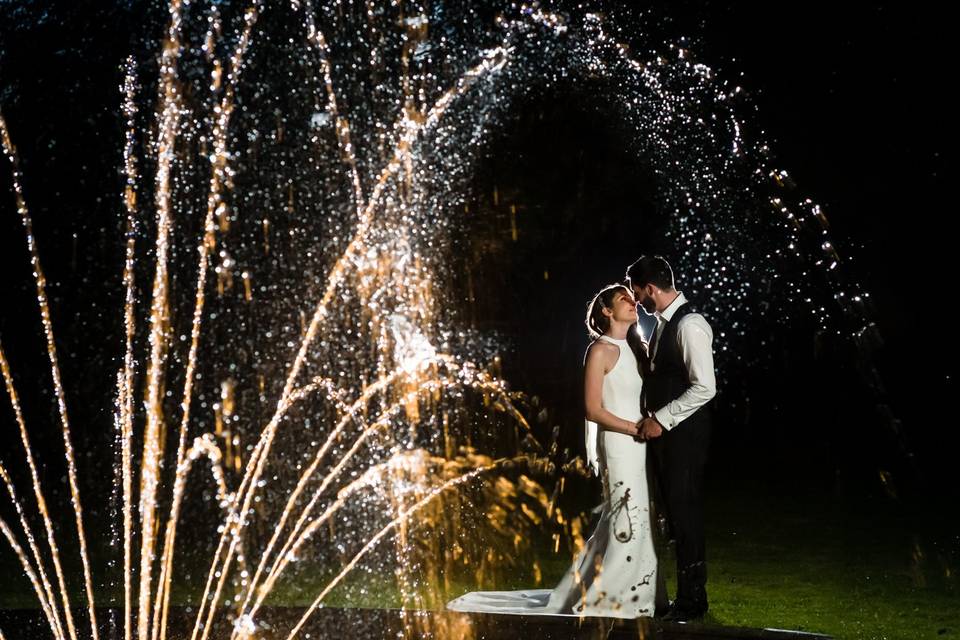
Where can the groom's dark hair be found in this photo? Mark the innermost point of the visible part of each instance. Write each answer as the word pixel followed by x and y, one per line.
pixel 651 270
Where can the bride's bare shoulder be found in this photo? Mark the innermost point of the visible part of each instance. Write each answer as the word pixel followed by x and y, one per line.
pixel 602 351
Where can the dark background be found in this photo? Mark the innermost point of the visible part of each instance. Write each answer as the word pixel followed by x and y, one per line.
pixel 853 97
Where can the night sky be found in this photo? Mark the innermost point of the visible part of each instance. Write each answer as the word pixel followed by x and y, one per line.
pixel 853 97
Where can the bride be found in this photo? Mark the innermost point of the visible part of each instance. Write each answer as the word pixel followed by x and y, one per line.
pixel 615 573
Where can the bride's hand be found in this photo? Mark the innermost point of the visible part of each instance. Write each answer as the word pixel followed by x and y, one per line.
pixel 650 428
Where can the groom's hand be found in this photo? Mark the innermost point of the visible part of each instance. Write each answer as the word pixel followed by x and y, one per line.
pixel 650 428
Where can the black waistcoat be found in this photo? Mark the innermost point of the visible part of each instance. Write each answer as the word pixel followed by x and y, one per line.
pixel 669 379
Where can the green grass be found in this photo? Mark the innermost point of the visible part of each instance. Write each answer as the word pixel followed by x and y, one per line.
pixel 865 570
pixel 862 569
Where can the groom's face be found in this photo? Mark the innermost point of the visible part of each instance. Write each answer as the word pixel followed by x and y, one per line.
pixel 645 298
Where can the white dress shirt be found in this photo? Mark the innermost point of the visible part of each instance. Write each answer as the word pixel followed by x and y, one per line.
pixel 695 338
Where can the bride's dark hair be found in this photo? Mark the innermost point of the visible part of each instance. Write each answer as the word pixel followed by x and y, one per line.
pixel 597 323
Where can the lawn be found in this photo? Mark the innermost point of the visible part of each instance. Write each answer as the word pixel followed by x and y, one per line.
pixel 864 569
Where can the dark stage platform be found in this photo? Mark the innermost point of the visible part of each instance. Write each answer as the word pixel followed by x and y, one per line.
pixel 376 624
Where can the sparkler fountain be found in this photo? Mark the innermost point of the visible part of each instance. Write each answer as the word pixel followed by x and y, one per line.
pixel 314 362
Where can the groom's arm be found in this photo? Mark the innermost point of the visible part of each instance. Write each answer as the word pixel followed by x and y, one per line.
pixel 696 343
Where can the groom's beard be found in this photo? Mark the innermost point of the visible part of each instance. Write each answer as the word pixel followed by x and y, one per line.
pixel 649 306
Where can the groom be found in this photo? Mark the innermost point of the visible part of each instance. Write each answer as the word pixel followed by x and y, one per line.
pixel 677 390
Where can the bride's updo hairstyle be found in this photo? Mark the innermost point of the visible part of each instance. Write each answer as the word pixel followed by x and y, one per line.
pixel 597 323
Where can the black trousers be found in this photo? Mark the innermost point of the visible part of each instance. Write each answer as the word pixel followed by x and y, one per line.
pixel 678 460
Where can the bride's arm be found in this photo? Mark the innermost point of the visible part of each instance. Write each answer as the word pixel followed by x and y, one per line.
pixel 597 363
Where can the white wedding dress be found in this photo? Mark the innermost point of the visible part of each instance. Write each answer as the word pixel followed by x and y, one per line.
pixel 615 573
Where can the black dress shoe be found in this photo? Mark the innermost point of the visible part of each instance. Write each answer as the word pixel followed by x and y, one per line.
pixel 679 614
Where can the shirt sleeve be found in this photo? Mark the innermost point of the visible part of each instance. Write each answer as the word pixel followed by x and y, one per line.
pixel 695 338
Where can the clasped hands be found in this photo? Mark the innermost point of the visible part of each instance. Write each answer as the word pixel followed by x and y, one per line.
pixel 648 429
